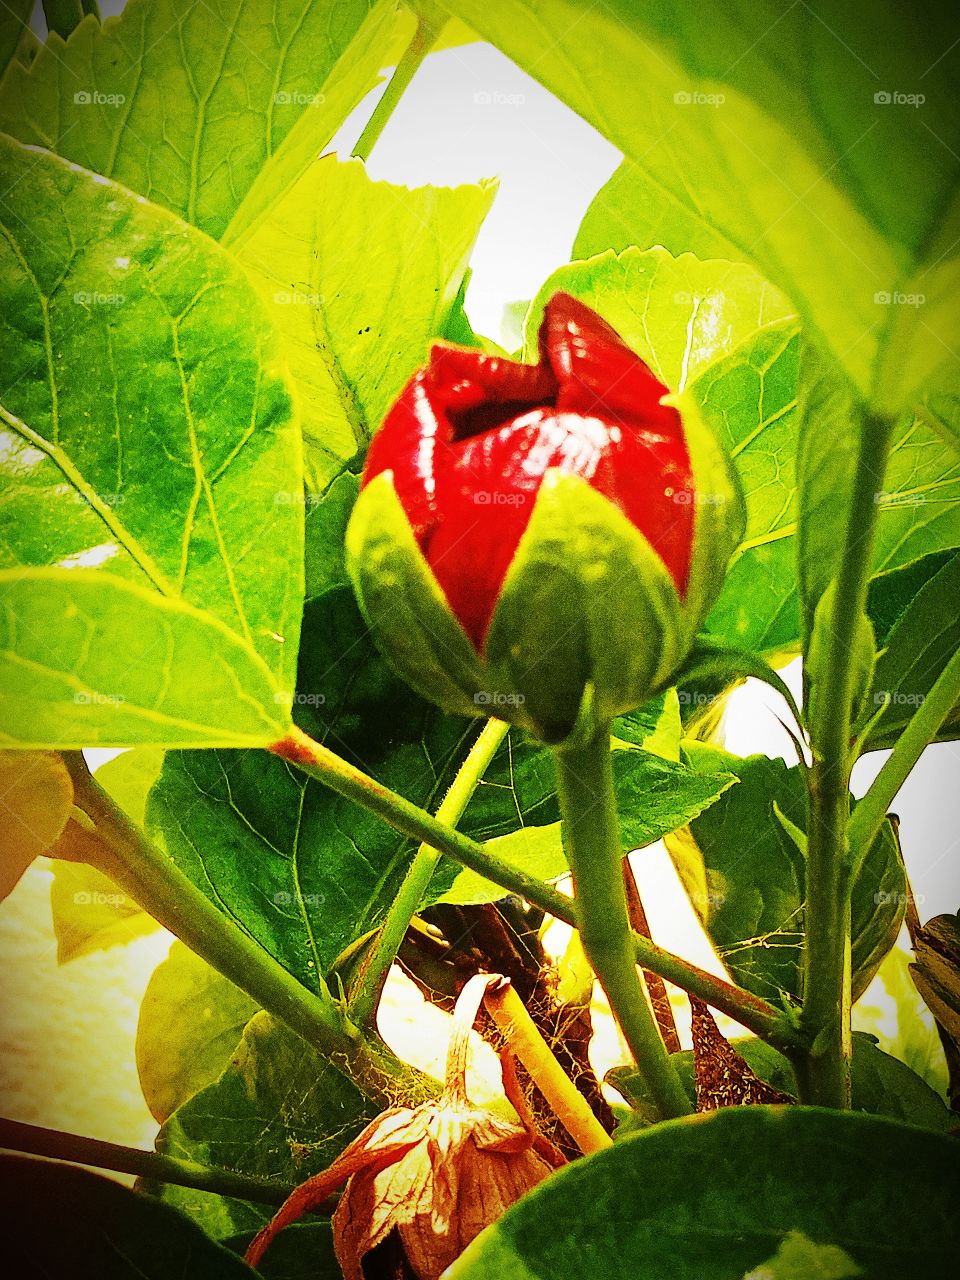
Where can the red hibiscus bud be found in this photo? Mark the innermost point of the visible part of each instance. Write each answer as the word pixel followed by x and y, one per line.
pixel 558 508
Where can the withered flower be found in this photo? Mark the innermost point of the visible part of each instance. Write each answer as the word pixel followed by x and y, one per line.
pixel 432 1177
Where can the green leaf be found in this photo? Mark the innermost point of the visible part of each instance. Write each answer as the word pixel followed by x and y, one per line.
pixel 162 489
pixel 277 1111
pixel 62 1221
pixel 87 659
pixel 186 104
pixel 358 276
pixel 917 647
pixel 680 314
pixel 798 1258
pixel 750 398
pixel 728 1187
pixel 36 795
pixel 746 878
pixel 773 136
pixel 191 1020
pixel 14 20
pixel 880 1084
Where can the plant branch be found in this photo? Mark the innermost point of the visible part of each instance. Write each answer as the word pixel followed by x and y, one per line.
pixel 161 888
pixel 430 22
pixel 34 1140
pixel 376 964
pixel 591 838
pixel 345 779
pixel 524 1039
pixel 868 816
pixel 824 1074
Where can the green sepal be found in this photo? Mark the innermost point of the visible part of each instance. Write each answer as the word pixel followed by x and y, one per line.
pixel 719 511
pixel 405 607
pixel 589 621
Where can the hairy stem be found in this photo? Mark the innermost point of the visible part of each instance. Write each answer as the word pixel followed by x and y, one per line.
pixel 319 762
pixel 376 964
pixel 430 23
pixel 824 1076
pixel 158 885
pixel 36 1141
pixel 591 838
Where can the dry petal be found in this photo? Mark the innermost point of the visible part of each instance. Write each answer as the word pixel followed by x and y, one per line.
pixel 431 1177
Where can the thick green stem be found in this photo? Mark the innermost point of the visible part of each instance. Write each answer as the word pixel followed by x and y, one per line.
pixel 376 964
pixel 430 23
pixel 921 729
pixel 158 885
pixel 345 779
pixel 824 1077
pixel 36 1141
pixel 591 837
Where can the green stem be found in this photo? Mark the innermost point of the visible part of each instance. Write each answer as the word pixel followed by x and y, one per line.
pixel 52 1143
pixel 591 838
pixel 920 731
pixel 376 965
pixel 345 779
pixel 824 1077
pixel 430 23
pixel 158 885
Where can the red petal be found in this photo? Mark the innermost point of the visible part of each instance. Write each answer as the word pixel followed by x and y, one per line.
pixel 597 371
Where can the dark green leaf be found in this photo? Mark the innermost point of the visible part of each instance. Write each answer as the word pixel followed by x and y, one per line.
pixel 713 1197
pixel 14 20
pixel 278 1111
pixel 746 878
pixel 880 1084
pixel 61 1223
pixel 917 647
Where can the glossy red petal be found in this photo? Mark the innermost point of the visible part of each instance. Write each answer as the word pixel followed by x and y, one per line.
pixel 597 371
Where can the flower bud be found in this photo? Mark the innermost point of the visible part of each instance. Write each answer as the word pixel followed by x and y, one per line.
pixel 540 542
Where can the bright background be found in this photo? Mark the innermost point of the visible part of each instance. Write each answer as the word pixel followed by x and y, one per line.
pixel 67 1034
